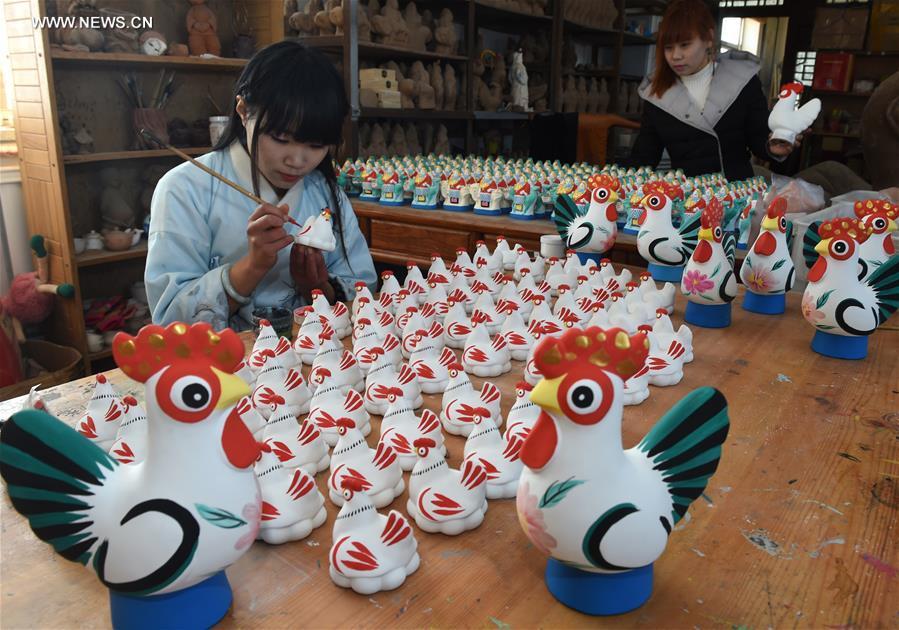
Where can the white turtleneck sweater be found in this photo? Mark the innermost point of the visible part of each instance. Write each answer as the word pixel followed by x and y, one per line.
pixel 698 83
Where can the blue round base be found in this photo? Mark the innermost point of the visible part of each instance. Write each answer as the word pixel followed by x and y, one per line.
pixel 524 217
pixel 627 229
pixel 599 593
pixel 488 213
pixel 353 194
pixel 506 210
pixel 372 198
pixel 764 304
pixel 665 273
pixel 199 606
pixel 458 208
pixel 840 346
pixel 708 315
pixel 392 203
pixel 586 257
pixel 743 246
pixel 424 206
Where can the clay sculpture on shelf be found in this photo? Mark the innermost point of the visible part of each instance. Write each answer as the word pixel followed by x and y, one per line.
pixel 202 27
pixel 445 37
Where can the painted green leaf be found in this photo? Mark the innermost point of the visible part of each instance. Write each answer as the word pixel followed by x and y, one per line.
pixel 705 297
pixel 602 230
pixel 823 299
pixel 219 516
pixel 874 263
pixel 557 491
pixel 714 273
pixel 824 327
pixel 780 263
pixel 748 262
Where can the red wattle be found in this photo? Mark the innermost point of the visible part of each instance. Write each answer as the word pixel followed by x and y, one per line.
pixel 238 443
pixel 817 270
pixel 642 218
pixel 703 252
pixel 888 245
pixel 765 244
pixel 540 445
pixel 611 212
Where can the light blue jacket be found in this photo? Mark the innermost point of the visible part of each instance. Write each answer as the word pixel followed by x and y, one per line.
pixel 198 224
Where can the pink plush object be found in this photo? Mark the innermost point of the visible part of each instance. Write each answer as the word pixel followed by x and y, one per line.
pixel 24 302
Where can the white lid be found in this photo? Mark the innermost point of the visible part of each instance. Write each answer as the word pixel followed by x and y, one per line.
pixel 550 239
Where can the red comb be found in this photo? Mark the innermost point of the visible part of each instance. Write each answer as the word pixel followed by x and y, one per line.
pixel 611 350
pixel 778 208
pixel 424 441
pixel 712 214
pixel 346 422
pixel 845 227
pixel 876 206
pixel 352 483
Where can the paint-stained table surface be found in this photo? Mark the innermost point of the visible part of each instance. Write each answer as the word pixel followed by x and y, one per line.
pixel 798 528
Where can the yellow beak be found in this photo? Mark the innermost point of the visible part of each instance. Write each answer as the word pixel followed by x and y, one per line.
pixel 642 203
pixel 891 227
pixel 546 394
pixel 770 224
pixel 233 389
pixel 706 234
pixel 613 196
pixel 822 246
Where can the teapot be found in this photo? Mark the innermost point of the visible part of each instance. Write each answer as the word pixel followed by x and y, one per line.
pixel 93 240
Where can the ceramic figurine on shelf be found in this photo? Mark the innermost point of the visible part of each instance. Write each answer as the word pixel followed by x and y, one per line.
pixel 665 248
pixel 291 504
pixel 461 403
pixel 370 552
pixel 158 534
pixel 317 232
pixel 768 269
pixel 457 194
pixel 709 282
pixel 489 199
pixel 744 226
pixel 442 499
pixel 377 469
pixel 498 455
pixel 400 428
pixel 103 416
pixel 391 188
pixel 371 185
pixel 426 194
pixel 879 215
pixel 130 445
pixel 329 404
pixel 785 120
pixel 592 233
pixel 604 514
pixel 526 202
pixel 843 309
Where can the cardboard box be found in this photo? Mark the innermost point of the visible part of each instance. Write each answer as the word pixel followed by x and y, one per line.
pixel 371 74
pixel 389 99
pixel 833 72
pixel 884 35
pixel 840 29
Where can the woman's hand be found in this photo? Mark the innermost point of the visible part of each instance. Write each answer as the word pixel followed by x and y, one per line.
pixel 266 236
pixel 308 270
pixel 780 148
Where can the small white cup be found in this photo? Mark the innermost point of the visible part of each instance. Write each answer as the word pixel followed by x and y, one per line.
pixel 217 125
pixel 551 245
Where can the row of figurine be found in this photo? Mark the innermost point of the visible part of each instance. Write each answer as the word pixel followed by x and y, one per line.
pixel 381 24
pixel 580 96
pixel 593 13
pixel 402 140
pixel 425 87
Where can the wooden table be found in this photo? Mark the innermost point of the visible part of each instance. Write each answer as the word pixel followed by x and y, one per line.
pixel 798 528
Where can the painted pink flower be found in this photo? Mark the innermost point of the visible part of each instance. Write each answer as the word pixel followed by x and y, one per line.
pixel 531 520
pixel 810 310
pixel 253 513
pixel 696 282
pixel 759 280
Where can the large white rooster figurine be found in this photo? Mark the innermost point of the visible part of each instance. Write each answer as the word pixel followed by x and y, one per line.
pixel 785 121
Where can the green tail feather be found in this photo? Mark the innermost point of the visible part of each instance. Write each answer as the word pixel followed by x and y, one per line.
pixel 791 232
pixel 51 472
pixel 730 215
pixel 685 445
pixel 689 231
pixel 566 212
pixel 885 282
pixel 730 247
pixel 809 241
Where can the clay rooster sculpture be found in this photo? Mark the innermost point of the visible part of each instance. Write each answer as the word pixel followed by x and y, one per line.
pixel 602 513
pixel 709 282
pixel 593 232
pixel 197 478
pixel 879 215
pixel 377 469
pixel 292 506
pixel 768 269
pixel 461 403
pixel 317 232
pixel 371 552
pixel 843 309
pixel 785 120
pixel 665 248
pixel 101 420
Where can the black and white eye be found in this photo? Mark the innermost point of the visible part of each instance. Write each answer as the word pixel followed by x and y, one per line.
pixel 347 494
pixel 422 451
pixel 783 224
pixel 718 233
pixel 585 396
pixel 191 393
pixel 879 223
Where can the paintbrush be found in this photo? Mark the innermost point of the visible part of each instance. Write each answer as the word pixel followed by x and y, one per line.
pixel 152 136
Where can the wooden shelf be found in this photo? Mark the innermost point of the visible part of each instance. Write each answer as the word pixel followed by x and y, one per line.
pixel 506 21
pixel 633 39
pixel 503 115
pixel 576 28
pixel 382 51
pixel 102 354
pixel 417 114
pixel 646 7
pixel 109 156
pixel 104 257
pixel 129 59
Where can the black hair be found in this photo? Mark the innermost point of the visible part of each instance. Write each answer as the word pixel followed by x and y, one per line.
pixel 295 91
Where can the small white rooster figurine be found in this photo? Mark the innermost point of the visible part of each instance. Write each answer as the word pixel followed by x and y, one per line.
pixel 594 231
pixel 292 506
pixel 709 282
pixel 768 270
pixel 665 248
pixel 785 120
pixel 843 309
pixel 603 513
pixel 197 479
